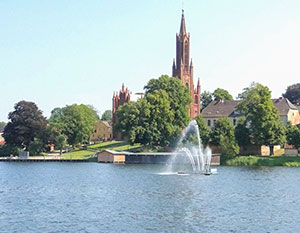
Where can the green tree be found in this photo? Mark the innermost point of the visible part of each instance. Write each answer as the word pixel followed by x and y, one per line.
pixel 106 116
pixel 223 135
pixel 293 135
pixel 204 130
pixel 26 125
pixel 2 126
pixel 148 121
pixel 262 117
pixel 242 132
pixel 229 148
pixel 223 126
pixel 179 96
pixel 206 99
pixel 76 122
pixel 244 94
pixel 293 94
pixel 132 122
pixel 221 94
pixel 157 119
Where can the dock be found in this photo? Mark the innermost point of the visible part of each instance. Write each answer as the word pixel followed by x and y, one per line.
pixel 43 160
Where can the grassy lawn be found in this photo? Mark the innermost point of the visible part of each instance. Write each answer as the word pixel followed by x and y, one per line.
pixel 264 161
pixel 116 145
pixel 81 154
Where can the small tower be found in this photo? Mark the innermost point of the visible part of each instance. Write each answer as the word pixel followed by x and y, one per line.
pixel 117 101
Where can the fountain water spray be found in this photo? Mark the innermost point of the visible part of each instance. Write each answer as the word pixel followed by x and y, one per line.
pixel 199 157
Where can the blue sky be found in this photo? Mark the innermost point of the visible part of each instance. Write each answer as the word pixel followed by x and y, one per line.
pixel 60 52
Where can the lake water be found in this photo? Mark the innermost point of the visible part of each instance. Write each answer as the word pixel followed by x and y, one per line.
pixel 91 197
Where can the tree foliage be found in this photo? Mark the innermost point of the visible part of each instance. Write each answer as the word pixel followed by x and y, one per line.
pixel 204 130
pixel 262 116
pixel 242 132
pixel 293 136
pixel 106 116
pixel 26 125
pixel 223 135
pixel 179 97
pixel 244 94
pixel 218 94
pixel 206 99
pixel 221 94
pixel 75 122
pixel 229 147
pixel 293 94
pixel 157 119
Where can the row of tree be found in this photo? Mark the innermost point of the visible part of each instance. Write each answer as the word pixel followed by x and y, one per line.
pixel 259 124
pixel 29 130
pixel 158 119
pixel 292 94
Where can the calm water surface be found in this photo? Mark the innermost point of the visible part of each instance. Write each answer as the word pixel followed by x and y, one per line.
pixel 91 197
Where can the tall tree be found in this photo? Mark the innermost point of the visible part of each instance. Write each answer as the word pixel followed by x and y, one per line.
pixel 157 119
pixel 293 94
pixel 244 94
pixel 262 117
pixel 76 122
pixel 206 99
pixel 106 116
pixel 179 97
pixel 26 125
pixel 221 94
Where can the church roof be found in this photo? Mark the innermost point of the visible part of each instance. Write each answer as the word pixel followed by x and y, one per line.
pixel 182 25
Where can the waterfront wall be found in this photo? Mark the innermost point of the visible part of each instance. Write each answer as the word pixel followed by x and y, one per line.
pixel 110 156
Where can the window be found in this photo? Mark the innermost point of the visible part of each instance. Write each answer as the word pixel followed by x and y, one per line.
pixel 234 122
pixel 208 122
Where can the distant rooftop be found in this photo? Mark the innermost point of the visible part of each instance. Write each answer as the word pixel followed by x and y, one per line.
pixel 227 108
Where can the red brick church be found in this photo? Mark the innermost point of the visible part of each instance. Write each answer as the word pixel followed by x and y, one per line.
pixel 182 69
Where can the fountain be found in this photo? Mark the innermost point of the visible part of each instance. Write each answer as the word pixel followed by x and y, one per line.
pixel 189 154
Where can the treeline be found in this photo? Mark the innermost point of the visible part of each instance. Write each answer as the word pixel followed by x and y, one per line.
pixel 158 119
pixel 29 130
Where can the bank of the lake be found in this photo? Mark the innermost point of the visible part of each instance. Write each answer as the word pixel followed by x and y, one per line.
pixel 263 161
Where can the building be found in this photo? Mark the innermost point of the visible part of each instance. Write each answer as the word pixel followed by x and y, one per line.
pixel 117 101
pixel 183 67
pixel 102 132
pixel 288 112
pixel 228 108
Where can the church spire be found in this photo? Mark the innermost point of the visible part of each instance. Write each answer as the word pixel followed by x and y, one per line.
pixel 182 25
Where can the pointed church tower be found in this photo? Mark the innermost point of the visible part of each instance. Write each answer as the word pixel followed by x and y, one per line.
pixel 183 68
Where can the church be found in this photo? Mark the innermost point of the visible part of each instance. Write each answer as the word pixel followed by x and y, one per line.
pixel 182 69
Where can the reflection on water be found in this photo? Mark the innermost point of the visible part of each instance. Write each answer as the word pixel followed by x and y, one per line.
pixel 90 197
